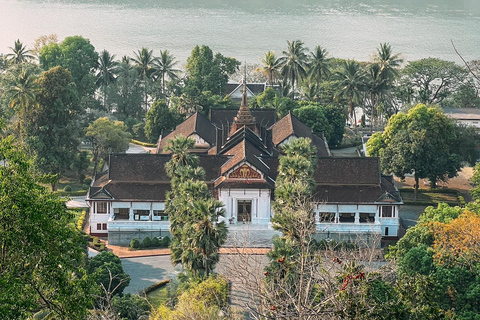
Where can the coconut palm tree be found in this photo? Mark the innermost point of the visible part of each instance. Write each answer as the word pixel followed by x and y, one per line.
pixel 351 82
pixel 164 67
pixel 318 64
pixel 20 53
pixel 144 60
pixel 375 87
pixel 181 157
pixel 294 63
pixel 389 62
pixel 106 74
pixel 271 67
pixel 23 96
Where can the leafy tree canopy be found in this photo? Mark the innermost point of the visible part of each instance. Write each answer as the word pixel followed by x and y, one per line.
pixel 159 118
pixel 42 255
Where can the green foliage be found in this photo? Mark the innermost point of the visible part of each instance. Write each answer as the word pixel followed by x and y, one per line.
pixel 468 138
pixel 165 242
pixel 43 254
pixel 420 142
pixel 134 244
pixel 81 220
pixel 107 137
pixel 160 118
pixel 130 306
pixel 193 212
pixel 205 300
pixel 107 272
pixel 67 188
pixel 146 242
pixel 156 242
pixel 53 137
pixel 432 79
pixel 208 72
pixel 80 165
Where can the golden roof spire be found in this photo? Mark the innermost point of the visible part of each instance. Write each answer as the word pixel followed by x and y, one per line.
pixel 244 116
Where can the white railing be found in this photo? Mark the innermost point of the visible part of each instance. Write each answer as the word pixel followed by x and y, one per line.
pixel 128 225
pixel 350 227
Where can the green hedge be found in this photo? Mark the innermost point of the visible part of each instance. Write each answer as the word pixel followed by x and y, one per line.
pixel 143 144
pixel 449 191
pixel 72 193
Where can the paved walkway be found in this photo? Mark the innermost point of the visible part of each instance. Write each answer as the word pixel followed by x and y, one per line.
pixel 124 252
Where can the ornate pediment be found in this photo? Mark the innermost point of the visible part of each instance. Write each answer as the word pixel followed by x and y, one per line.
pixel 244 172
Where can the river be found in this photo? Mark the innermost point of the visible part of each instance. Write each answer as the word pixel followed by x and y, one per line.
pixel 245 29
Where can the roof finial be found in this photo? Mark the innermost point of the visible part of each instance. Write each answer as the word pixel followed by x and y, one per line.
pixel 244 92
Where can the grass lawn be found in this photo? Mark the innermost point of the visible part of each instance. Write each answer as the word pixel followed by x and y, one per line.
pixel 158 296
pixel 428 197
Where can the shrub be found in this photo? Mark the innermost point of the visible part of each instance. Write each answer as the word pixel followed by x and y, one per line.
pixel 87 181
pixel 165 242
pixel 106 269
pixel 67 188
pixel 130 307
pixel 147 242
pixel 155 242
pixel 81 220
pixel 134 244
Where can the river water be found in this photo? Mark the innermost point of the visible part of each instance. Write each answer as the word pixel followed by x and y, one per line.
pixel 245 29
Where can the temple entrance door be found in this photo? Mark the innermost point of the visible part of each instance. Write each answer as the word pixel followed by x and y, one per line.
pixel 244 210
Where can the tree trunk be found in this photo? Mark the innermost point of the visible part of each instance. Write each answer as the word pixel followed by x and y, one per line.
pixel 416 187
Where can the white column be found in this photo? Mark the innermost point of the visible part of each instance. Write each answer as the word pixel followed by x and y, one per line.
pixel 357 216
pixel 337 216
pixel 112 213
pixel 130 216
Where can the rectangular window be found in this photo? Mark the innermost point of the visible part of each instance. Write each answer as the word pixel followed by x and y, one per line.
pixel 121 213
pixel 104 226
pixel 160 215
pixel 388 212
pixel 102 207
pixel 367 217
pixel 141 215
pixel 347 217
pixel 99 226
pixel 326 217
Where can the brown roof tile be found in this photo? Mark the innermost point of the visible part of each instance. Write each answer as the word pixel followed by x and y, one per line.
pixel 348 171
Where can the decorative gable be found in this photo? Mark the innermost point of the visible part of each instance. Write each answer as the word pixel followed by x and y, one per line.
pixel 244 172
pixel 387 197
pixel 102 194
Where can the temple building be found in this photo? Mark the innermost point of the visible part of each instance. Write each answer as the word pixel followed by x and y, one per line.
pixel 239 150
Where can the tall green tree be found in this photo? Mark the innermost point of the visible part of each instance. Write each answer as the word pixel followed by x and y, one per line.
pixel 208 72
pixel 126 93
pixel 432 79
pixel 294 61
pixel 351 83
pixel 143 63
pixel 375 87
pixel 159 118
pixel 420 142
pixel 42 255
pixel 388 62
pixel 106 74
pixel 271 67
pixel 193 213
pixel 19 54
pixel 106 137
pixel 164 66
pixel 23 97
pixel 53 135
pixel 77 55
pixel 318 66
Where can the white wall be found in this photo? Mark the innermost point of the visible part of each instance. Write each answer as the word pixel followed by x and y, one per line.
pixel 260 203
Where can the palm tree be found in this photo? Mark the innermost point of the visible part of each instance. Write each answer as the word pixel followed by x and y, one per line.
pixel 164 66
pixel 351 82
pixel 179 148
pixel 20 53
pixel 106 74
pixel 389 62
pixel 209 235
pixel 144 60
pixel 23 95
pixel 271 67
pixel 375 87
pixel 319 64
pixel 294 63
